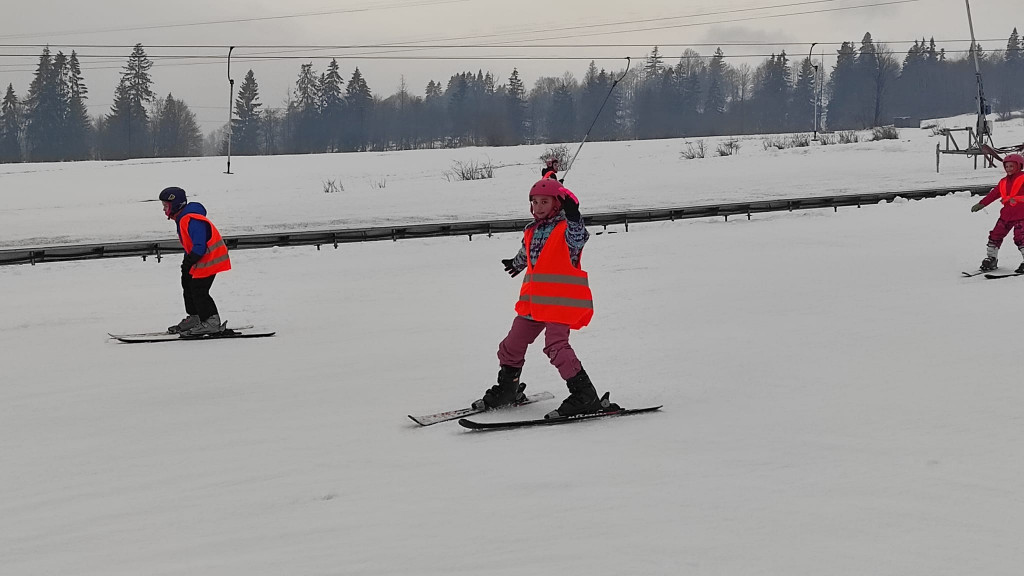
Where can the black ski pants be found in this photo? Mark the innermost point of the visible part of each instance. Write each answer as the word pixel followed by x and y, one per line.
pixel 197 295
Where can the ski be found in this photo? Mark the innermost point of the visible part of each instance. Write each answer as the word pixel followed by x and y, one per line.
pixel 224 334
pixel 975 273
pixel 165 333
pixel 430 419
pixel 1001 276
pixel 511 424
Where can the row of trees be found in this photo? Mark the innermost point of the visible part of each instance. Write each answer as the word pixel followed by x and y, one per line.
pixel 697 95
pixel 51 123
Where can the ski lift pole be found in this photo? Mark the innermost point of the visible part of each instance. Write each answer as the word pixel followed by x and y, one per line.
pixel 814 89
pixel 596 116
pixel 231 102
pixel 982 124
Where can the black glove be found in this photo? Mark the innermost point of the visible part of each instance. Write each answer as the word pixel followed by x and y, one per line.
pixel 188 262
pixel 510 268
pixel 571 207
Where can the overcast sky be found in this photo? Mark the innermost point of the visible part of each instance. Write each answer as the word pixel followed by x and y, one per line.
pixel 103 31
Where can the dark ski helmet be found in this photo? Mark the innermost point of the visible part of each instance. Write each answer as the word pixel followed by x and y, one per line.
pixel 173 199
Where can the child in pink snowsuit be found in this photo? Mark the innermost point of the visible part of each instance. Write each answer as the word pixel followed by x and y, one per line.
pixel 1011 217
pixel 554 298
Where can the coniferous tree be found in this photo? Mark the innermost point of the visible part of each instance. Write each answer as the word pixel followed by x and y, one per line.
pixel 684 94
pixel 358 108
pixel 176 131
pixel 654 65
pixel 10 127
pixel 435 115
pixel 714 104
pixel 515 108
pixel 865 70
pixel 43 112
pixel 126 129
pixel 801 108
pixel 1013 75
pixel 77 125
pixel 303 114
pixel 842 85
pixel 596 87
pixel 457 96
pixel 332 106
pixel 245 124
pixel 562 116
pixel 771 93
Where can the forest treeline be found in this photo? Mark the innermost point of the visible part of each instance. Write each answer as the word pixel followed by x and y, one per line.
pixel 690 95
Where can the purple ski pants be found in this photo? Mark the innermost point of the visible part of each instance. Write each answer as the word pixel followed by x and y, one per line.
pixel 1002 228
pixel 512 350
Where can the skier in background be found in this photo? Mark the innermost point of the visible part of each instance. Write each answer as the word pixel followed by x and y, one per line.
pixel 555 298
pixel 1011 217
pixel 205 256
pixel 550 169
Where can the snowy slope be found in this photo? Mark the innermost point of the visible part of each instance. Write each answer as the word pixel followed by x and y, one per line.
pixel 837 400
pixel 86 202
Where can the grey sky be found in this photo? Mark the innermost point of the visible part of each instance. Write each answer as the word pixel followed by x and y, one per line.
pixel 671 24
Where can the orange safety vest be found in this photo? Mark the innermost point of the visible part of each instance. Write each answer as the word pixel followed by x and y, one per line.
pixel 1011 195
pixel 553 289
pixel 216 258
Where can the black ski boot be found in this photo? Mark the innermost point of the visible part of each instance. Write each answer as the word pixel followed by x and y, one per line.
pixel 990 263
pixel 583 398
pixel 506 391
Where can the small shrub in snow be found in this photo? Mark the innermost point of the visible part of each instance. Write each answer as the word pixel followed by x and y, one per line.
pixel 694 150
pixel 773 142
pixel 332 186
pixel 885 133
pixel 559 152
pixel 728 148
pixel 469 170
pixel 827 138
pixel 799 140
pixel 848 137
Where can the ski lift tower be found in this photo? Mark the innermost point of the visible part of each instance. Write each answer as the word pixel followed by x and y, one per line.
pixel 983 128
pixel 979 137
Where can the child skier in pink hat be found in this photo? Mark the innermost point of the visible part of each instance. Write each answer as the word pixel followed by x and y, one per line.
pixel 1011 217
pixel 555 298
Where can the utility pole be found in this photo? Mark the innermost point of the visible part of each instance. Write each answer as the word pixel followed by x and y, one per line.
pixel 231 102
pixel 814 90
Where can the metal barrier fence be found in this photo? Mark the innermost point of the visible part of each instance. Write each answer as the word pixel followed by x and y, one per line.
pixel 319 238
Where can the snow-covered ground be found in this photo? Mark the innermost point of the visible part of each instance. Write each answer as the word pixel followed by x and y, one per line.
pixel 837 399
pixel 86 202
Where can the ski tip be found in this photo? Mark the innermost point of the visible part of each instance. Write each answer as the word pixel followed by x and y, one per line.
pixel 417 420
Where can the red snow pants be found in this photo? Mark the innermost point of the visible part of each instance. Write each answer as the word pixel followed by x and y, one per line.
pixel 512 350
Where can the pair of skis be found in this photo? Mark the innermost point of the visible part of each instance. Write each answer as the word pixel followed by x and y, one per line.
pixel 478 408
pixel 989 275
pixel 144 337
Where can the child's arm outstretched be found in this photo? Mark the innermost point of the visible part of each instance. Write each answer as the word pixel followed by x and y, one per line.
pixel 517 264
pixel 988 199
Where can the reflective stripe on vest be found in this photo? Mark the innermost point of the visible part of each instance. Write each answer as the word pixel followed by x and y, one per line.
pixel 1011 196
pixel 216 258
pixel 553 289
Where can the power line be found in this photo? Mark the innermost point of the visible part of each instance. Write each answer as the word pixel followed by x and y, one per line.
pixel 442 46
pixel 236 20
